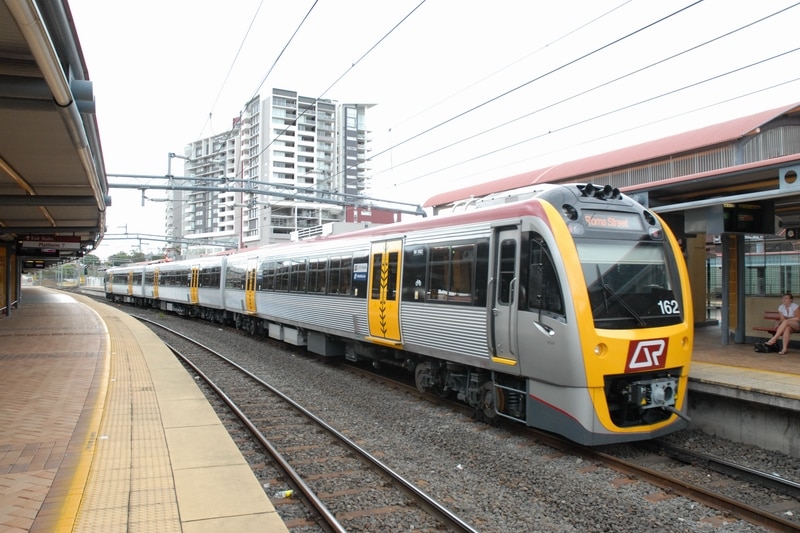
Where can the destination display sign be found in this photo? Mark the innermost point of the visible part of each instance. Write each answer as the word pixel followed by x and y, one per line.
pixel 611 220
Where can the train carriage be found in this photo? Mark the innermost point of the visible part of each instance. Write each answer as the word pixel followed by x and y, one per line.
pixel 569 311
pixel 126 284
pixel 241 283
pixel 193 288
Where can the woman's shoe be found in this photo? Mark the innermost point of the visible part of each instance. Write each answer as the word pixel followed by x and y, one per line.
pixel 782 352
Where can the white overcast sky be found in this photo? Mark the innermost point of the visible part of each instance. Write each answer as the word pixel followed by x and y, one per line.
pixel 464 90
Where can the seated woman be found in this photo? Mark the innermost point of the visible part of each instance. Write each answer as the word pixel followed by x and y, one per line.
pixel 789 323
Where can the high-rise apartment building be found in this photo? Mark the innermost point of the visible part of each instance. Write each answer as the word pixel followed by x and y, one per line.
pixel 288 164
pixel 200 207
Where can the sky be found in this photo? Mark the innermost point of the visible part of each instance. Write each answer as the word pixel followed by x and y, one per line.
pixel 463 91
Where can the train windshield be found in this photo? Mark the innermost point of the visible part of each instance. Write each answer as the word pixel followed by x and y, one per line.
pixel 631 283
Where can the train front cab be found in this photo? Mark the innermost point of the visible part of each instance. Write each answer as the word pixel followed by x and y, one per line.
pixel 591 384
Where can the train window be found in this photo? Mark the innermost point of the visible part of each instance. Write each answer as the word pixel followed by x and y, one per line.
pixel 447 273
pixel 461 268
pixel 346 275
pixel 340 275
pixel 317 275
pixel 210 277
pixel 282 276
pixel 335 271
pixel 542 286
pixel 234 277
pixel 268 275
pixel 481 273
pixel 508 256
pixel 297 282
pixel 384 274
pixel 360 274
pixel 415 259
pixel 451 273
pixel 439 274
pixel 630 283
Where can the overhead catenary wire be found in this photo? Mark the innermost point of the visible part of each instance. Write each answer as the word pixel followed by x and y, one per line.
pixel 587 91
pixel 600 115
pixel 537 78
pixel 230 68
pixel 499 96
pixel 515 62
pixel 341 76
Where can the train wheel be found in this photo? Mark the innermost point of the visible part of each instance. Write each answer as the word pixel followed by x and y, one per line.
pixel 426 381
pixel 422 377
pixel 492 401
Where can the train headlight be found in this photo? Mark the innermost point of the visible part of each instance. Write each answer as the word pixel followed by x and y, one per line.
pixel 576 228
pixel 569 212
pixel 655 233
pixel 600 350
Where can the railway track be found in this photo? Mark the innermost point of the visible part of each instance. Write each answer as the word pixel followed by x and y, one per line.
pixel 343 486
pixel 770 501
pixel 757 497
pixel 736 490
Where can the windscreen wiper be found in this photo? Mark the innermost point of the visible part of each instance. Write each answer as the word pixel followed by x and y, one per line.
pixel 614 296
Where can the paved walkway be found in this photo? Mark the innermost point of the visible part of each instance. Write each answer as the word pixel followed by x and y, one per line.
pixel 102 429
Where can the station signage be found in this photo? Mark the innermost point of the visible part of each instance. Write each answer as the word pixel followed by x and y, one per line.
pixel 48 242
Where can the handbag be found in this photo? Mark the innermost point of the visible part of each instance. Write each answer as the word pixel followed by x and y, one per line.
pixel 763 347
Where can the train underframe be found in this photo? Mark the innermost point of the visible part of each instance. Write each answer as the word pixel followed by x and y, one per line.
pixel 491 394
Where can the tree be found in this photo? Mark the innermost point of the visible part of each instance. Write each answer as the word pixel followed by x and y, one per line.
pixel 90 259
pixel 119 258
pixel 124 258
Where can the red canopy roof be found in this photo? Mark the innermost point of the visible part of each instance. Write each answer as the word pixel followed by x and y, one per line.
pixel 694 140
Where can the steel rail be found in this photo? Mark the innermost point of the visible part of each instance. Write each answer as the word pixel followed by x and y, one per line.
pixel 430 504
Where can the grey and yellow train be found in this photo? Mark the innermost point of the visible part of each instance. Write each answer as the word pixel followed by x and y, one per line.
pixel 568 310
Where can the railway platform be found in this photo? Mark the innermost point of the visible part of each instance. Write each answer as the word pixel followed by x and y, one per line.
pixel 740 368
pixel 745 396
pixel 101 429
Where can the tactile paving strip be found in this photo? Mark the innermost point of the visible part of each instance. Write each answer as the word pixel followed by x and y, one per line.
pixel 130 483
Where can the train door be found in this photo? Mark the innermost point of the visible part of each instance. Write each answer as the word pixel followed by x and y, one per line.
pixel 504 313
pixel 194 281
pixel 130 283
pixel 155 283
pixel 383 296
pixel 250 285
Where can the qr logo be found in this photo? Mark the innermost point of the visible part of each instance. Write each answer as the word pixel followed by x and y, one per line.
pixel 643 355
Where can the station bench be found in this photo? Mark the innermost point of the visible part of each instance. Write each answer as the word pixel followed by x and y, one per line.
pixel 772 316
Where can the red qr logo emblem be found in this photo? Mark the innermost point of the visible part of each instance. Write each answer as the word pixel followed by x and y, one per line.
pixel 644 355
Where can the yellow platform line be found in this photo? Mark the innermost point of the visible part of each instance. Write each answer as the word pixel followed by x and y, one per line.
pixel 71 504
